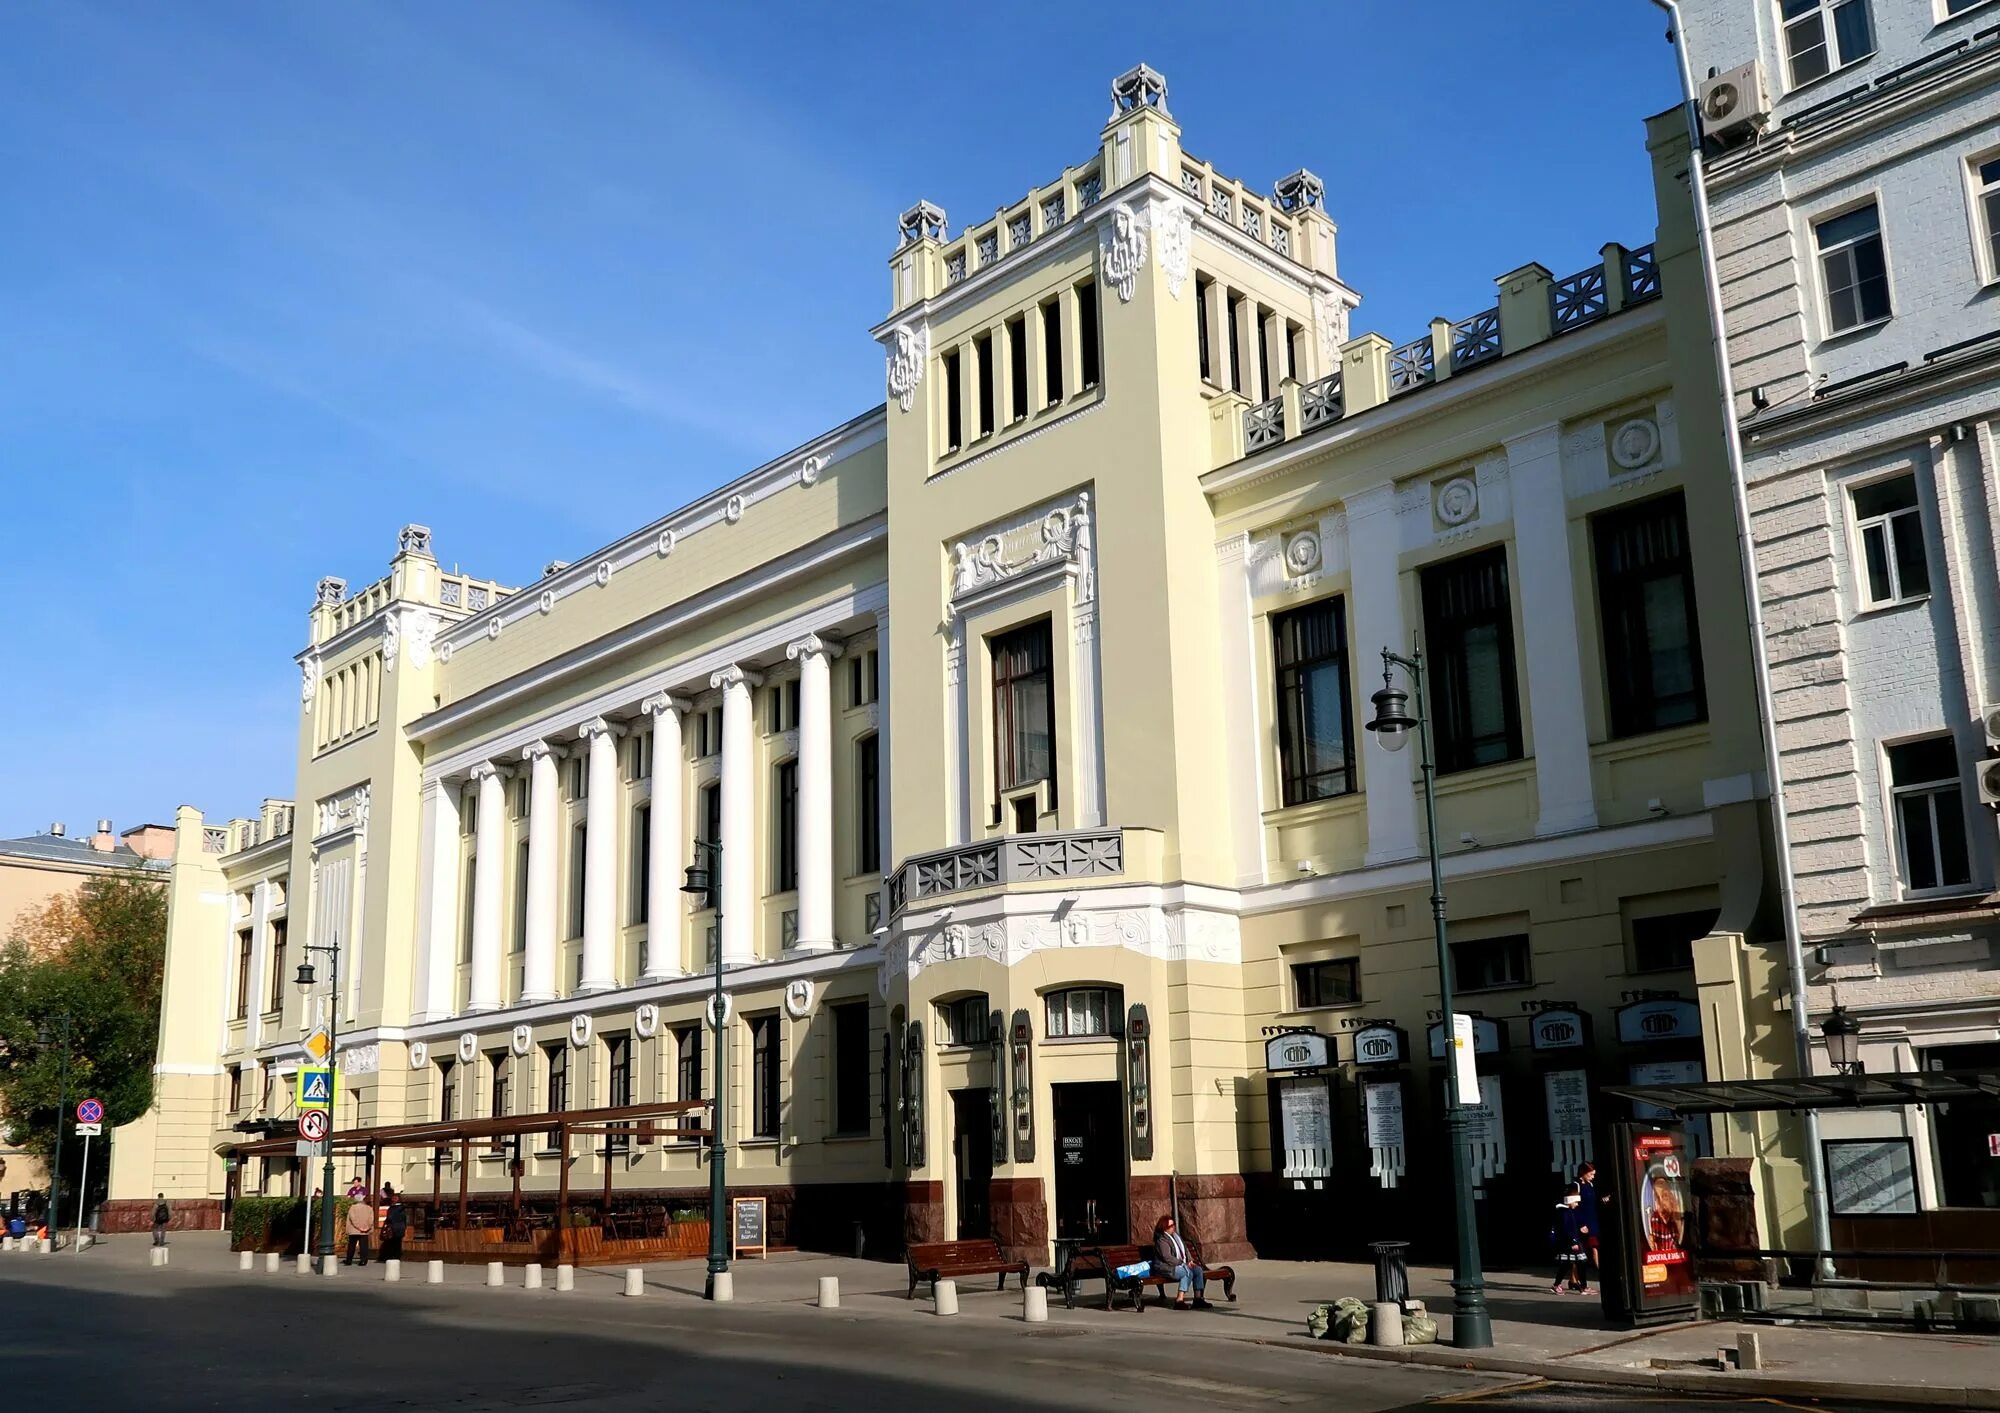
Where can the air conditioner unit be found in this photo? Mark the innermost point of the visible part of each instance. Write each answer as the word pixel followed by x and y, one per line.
pixel 1987 775
pixel 1989 722
pixel 1734 104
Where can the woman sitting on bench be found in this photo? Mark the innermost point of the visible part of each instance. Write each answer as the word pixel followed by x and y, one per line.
pixel 1170 1258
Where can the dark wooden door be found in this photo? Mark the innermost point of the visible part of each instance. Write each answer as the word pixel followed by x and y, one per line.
pixel 972 1160
pixel 1090 1161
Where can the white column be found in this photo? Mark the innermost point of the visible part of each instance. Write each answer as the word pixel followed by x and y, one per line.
pixel 439 913
pixel 486 888
pixel 260 961
pixel 1554 676
pixel 538 928
pixel 600 856
pixel 739 803
pixel 1372 549
pixel 664 862
pixel 814 656
pixel 882 696
pixel 1244 744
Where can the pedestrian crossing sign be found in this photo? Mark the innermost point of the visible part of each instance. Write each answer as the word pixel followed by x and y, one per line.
pixel 316 1087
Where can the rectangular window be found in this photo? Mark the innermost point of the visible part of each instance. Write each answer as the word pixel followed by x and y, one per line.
pixel 618 1094
pixel 579 777
pixel 641 874
pixel 1330 983
pixel 1315 728
pixel 1930 815
pixel 1023 706
pixel 1666 943
pixel 1202 356
pixel 864 684
pixel 963 1021
pixel 1232 306
pixel 579 865
pixel 1052 353
pixel 850 1069
pixel 781 712
pixel 1083 1010
pixel 499 1089
pixel 687 1072
pixel 1088 353
pixel 279 980
pixel 523 795
pixel 1469 632
pixel 1295 350
pixel 708 732
pixel 868 804
pixel 1823 35
pixel 1652 649
pixel 468 811
pixel 521 856
pixel 1264 346
pixel 447 1090
pixel 465 909
pixel 1891 534
pixel 1490 963
pixel 1854 268
pixel 1986 198
pixel 982 353
pixel 764 1076
pixel 639 756
pixel 954 429
pixel 245 941
pixel 557 1056
pixel 711 815
pixel 1017 367
pixel 236 1089
pixel 785 865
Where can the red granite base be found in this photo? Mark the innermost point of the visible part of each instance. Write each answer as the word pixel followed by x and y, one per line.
pixel 1212 1212
pixel 923 1212
pixel 130 1214
pixel 1020 1219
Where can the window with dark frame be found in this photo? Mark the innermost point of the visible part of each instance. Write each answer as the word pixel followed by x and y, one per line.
pixel 579 868
pixel 1052 353
pixel 1854 267
pixel 864 683
pixel 499 1091
pixel 963 1020
pixel 465 908
pixel 851 1113
pixel 1017 367
pixel 868 804
pixel 642 853
pixel 1666 942
pixel 1823 35
pixel 687 1073
pixel 557 1056
pixel 1334 982
pixel 245 946
pixel 982 353
pixel 1232 305
pixel 711 817
pixel 1088 353
pixel 1890 527
pixel 1023 706
pixel 1929 805
pixel 1081 1011
pixel 1201 335
pixel 447 1090
pixel 1986 197
pixel 785 861
pixel 235 1089
pixel 954 427
pixel 618 1092
pixel 1315 715
pixel 1652 640
pixel 1491 963
pixel 279 980
pixel 764 1076
pixel 521 896
pixel 1263 344
pixel 1469 651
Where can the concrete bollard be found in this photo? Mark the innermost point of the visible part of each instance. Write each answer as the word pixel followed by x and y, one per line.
pixel 829 1292
pixel 1035 1304
pixel 305 1264
pixel 1749 1350
pixel 434 1273
pixel 392 1269
pixel 328 1266
pixel 722 1287
pixel 531 1278
pixel 153 1256
pixel 271 1262
pixel 245 1260
pixel 496 1273
pixel 565 1278
pixel 635 1280
pixel 946 1298
pixel 6 1243
pixel 47 1246
pixel 1385 1324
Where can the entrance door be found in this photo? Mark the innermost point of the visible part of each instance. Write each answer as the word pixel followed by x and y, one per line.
pixel 1090 1161
pixel 972 1160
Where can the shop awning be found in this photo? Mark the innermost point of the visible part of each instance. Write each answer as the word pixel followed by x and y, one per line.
pixel 626 1120
pixel 1834 1091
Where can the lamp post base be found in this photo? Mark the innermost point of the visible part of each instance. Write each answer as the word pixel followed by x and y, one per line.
pixel 1471 1323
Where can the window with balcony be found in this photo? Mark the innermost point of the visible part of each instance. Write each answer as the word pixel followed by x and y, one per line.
pixel 785 847
pixel 1083 1011
pixel 1928 803
pixel 1491 963
pixel 851 1112
pixel 963 1020
pixel 1024 729
pixel 1854 268
pixel 1469 644
pixel 1823 35
pixel 1315 724
pixel 1336 982
pixel 764 1070
pixel 1652 646
pixel 1889 531
pixel 868 805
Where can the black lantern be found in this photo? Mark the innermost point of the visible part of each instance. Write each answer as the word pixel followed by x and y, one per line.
pixel 698 880
pixel 1393 722
pixel 306 976
pixel 1843 1040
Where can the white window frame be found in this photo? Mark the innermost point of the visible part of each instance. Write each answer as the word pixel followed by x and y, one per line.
pixel 1819 259
pixel 1864 594
pixel 1893 794
pixel 1114 1001
pixel 1985 229
pixel 1945 14
pixel 1824 10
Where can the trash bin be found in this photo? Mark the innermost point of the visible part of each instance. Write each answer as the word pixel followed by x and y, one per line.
pixel 1392 1270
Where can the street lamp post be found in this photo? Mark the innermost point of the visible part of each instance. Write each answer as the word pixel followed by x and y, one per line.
pixel 1471 1325
pixel 306 978
pixel 59 1023
pixel 701 883
pixel 1843 1041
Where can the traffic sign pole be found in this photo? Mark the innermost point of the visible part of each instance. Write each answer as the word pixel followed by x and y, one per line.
pixel 89 1121
pixel 82 1188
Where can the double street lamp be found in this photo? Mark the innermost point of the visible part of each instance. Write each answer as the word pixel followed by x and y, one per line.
pixel 306 978
pixel 1394 724
pixel 701 885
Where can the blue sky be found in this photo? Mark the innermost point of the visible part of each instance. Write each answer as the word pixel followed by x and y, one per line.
pixel 277 278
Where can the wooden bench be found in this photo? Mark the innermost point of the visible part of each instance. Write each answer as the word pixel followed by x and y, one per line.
pixel 947 1260
pixel 1102 1262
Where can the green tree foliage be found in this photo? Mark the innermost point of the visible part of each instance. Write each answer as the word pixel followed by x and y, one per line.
pixel 105 973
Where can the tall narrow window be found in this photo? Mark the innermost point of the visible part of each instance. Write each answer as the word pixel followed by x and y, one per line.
pixel 1823 35
pixel 236 1089
pixel 1264 347
pixel 465 909
pixel 618 1073
pixel 521 865
pixel 1315 728
pixel 1052 353
pixel 1087 350
pixel 1201 334
pixel 687 1073
pixel 1469 634
pixel 785 863
pixel 868 804
pixel 850 1069
pixel 764 1076
pixel 1891 531
pixel 1930 815
pixel 954 427
pixel 711 813
pixel 279 980
pixel 447 1090
pixel 1232 307
pixel 245 945
pixel 639 756
pixel 1854 268
pixel 864 683
pixel 557 1056
pixel 1023 706
pixel 1017 367
pixel 500 1071
pixel 640 871
pixel 1652 650
pixel 1295 350
pixel 1986 196
pixel 579 863
pixel 982 353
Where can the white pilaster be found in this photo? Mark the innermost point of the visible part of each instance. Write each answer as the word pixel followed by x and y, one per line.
pixel 1241 736
pixel 1378 623
pixel 439 906
pixel 882 696
pixel 538 928
pixel 485 990
pixel 663 860
pixel 814 656
pixel 600 865
pixel 739 803
pixel 1548 622
pixel 260 961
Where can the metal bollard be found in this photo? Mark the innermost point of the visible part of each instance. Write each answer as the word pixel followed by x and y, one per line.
pixel 1385 1324
pixel 635 1280
pixel 722 1287
pixel 496 1273
pixel 565 1278
pixel 945 1298
pixel 245 1260
pixel 271 1262
pixel 829 1292
pixel 531 1278
pixel 1035 1305
pixel 392 1269
pixel 434 1273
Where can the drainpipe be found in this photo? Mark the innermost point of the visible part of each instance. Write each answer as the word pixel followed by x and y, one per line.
pixel 1732 439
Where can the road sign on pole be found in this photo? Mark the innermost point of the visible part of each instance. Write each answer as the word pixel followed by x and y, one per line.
pixel 318 1043
pixel 314 1124
pixel 90 1112
pixel 316 1086
pixel 306 1148
pixel 88 1130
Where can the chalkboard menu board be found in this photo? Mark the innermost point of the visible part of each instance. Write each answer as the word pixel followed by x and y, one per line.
pixel 747 1225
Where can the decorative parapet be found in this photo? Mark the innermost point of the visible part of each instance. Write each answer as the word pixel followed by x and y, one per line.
pixel 997 863
pixel 214 840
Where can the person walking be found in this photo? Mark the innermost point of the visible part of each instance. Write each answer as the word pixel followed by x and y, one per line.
pixel 1171 1258
pixel 394 1224
pixel 360 1224
pixel 162 1214
pixel 1569 1235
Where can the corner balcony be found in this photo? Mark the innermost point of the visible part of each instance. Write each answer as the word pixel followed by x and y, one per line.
pixel 1026 862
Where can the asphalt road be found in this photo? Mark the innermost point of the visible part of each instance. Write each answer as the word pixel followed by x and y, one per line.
pixel 98 1338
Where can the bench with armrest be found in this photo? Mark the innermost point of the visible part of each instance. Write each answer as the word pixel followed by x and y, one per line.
pixel 934 1261
pixel 1102 1263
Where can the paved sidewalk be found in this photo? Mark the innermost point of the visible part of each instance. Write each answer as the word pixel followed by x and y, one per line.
pixel 1537 1334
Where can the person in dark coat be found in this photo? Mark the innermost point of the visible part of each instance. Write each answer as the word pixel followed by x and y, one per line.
pixel 1569 1236
pixel 394 1224
pixel 162 1214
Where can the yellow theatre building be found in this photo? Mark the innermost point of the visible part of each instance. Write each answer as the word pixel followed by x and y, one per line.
pixel 1027 709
